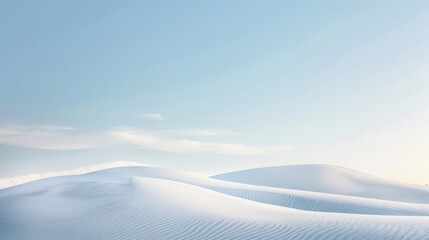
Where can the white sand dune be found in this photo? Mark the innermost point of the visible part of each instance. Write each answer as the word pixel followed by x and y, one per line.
pixel 330 179
pixel 311 201
pixel 155 203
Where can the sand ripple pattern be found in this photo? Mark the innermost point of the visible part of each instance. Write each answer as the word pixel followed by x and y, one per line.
pixel 122 207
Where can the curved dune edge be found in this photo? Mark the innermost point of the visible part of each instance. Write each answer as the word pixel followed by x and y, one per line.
pixel 93 207
pixel 303 200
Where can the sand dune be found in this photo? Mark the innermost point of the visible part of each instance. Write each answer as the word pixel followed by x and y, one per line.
pixel 330 179
pixel 156 203
pixel 311 201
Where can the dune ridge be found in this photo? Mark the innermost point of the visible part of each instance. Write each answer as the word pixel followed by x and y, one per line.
pixel 330 179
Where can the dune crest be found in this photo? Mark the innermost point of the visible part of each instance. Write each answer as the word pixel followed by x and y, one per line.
pixel 330 179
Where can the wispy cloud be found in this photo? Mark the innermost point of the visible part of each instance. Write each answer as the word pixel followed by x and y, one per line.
pixel 66 138
pixel 152 141
pixel 46 137
pixel 15 128
pixel 152 116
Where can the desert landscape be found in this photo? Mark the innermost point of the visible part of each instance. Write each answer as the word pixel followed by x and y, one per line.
pixel 214 120
pixel 126 200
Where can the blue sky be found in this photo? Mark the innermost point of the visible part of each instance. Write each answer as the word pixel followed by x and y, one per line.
pixel 215 85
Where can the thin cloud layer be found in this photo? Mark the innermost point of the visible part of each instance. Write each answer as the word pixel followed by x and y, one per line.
pixel 151 141
pixel 45 137
pixel 65 138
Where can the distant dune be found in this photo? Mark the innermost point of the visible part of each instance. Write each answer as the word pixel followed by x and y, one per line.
pixel 330 179
pixel 127 201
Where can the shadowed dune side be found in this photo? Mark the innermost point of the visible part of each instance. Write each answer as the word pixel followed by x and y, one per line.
pixel 320 202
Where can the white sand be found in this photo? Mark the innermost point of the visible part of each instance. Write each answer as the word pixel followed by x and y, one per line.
pixel 330 179
pixel 141 202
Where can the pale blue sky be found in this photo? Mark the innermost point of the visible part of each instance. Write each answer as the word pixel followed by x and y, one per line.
pixel 212 86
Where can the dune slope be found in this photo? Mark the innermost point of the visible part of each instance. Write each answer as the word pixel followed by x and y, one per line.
pixel 330 179
pixel 155 203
